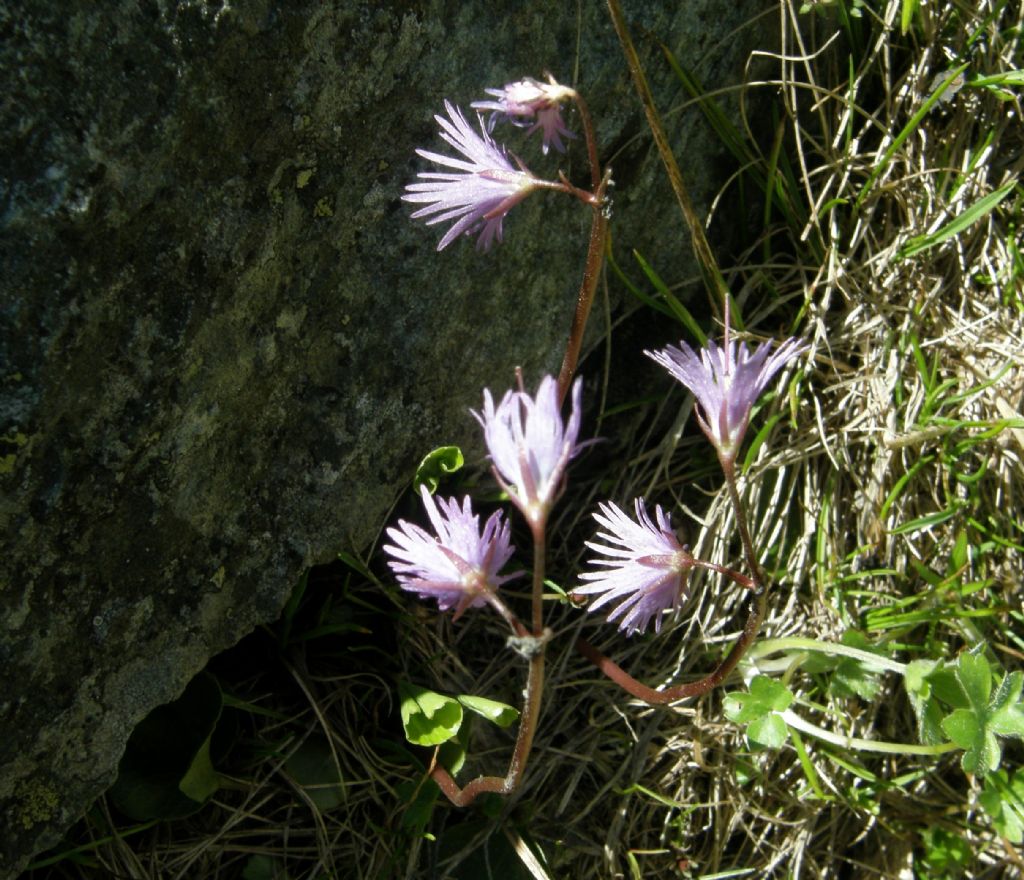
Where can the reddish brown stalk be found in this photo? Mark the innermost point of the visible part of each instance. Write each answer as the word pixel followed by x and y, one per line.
pixel 464 796
pixel 585 299
pixel 692 689
pixel 729 469
pixel 531 646
pixel 595 255
pixel 734 576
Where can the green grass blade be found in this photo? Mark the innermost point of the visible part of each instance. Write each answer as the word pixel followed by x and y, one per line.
pixel 907 131
pixel 678 310
pixel 981 208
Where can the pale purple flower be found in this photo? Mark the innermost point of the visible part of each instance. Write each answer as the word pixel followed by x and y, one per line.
pixel 645 570
pixel 726 382
pixel 530 445
pixel 480 191
pixel 459 565
pixel 529 99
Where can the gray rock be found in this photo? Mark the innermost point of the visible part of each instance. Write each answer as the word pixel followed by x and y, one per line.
pixel 224 346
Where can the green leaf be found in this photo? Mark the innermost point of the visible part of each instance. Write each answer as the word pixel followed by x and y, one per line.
pixel 1006 713
pixel 981 749
pixel 853 677
pixel 442 461
pixel 201 780
pixel 958 224
pixel 1003 800
pixel 770 731
pixel 166 771
pixel 419 797
pixel 975 677
pixel 908 8
pixel 960 556
pixel 313 767
pixel 759 710
pixel 680 311
pixel 766 696
pixel 975 726
pixel 1007 695
pixel 429 719
pixel 263 867
pixel 946 854
pixel 962 728
pixel 918 681
pixel 497 713
pixel 452 754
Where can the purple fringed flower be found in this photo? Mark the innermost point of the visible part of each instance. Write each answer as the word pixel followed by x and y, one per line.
pixel 726 382
pixel 459 567
pixel 527 99
pixel 481 190
pixel 529 444
pixel 645 571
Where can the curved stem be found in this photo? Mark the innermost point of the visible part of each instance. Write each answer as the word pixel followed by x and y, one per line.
pixel 729 469
pixel 691 689
pixel 599 180
pixel 564 186
pixel 463 796
pixel 863 745
pixel 591 140
pixel 495 601
pixel 734 576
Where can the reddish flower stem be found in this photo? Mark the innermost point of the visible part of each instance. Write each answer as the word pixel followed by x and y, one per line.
pixel 755 617
pixel 691 689
pixel 533 646
pixel 729 469
pixel 588 287
pixel 595 254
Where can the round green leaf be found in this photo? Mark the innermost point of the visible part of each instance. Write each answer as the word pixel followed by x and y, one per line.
pixel 975 677
pixel 312 766
pixel 770 731
pixel 429 719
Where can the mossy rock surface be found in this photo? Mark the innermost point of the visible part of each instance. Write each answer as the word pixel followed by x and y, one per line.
pixel 224 345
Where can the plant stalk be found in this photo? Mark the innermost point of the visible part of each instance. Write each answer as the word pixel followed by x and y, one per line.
pixel 533 647
pixel 755 617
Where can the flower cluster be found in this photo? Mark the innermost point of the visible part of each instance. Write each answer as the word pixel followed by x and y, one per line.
pixel 530 447
pixel 483 185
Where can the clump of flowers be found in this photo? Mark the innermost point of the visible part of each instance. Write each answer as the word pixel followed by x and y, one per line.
pixel 639 571
pixel 482 184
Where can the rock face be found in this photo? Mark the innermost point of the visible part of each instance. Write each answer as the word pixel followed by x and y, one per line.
pixel 223 344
